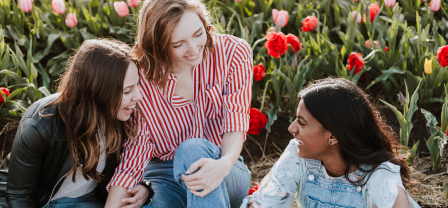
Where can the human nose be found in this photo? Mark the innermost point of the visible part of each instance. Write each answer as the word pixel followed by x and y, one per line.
pixel 138 95
pixel 293 129
pixel 193 48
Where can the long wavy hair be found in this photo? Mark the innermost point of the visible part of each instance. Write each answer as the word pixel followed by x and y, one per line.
pixel 363 136
pixel 91 93
pixel 157 20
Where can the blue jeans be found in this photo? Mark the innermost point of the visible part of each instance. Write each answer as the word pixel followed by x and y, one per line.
pixel 86 201
pixel 170 190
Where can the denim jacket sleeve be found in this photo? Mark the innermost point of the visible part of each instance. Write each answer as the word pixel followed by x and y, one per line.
pixel 26 163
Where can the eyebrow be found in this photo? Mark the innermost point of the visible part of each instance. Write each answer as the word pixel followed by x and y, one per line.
pixel 130 86
pixel 183 40
pixel 301 117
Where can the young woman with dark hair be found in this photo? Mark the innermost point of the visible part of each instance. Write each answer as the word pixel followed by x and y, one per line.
pixel 68 144
pixel 196 87
pixel 343 155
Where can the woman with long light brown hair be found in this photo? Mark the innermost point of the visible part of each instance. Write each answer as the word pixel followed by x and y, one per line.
pixel 196 87
pixel 68 144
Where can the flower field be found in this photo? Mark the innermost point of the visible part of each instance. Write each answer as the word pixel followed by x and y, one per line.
pixel 396 50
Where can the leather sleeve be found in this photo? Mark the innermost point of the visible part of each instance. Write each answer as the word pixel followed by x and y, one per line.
pixel 27 156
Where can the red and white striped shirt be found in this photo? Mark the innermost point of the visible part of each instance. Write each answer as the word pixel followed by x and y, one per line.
pixel 222 95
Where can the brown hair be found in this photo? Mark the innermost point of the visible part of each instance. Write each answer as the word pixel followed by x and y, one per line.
pixel 156 22
pixel 91 93
pixel 363 136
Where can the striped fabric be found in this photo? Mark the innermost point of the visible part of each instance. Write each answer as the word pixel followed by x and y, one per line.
pixel 222 94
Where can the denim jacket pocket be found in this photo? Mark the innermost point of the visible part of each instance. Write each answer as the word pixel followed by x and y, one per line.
pixel 214 102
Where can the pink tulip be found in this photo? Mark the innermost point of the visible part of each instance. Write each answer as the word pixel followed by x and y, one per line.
pixel 434 5
pixel 358 16
pixel 133 3
pixel 280 17
pixel 122 8
pixel 25 5
pixel 389 3
pixel 238 0
pixel 271 29
pixel 58 6
pixel 355 0
pixel 71 20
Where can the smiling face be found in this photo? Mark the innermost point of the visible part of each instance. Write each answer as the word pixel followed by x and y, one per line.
pixel 131 93
pixel 187 41
pixel 313 139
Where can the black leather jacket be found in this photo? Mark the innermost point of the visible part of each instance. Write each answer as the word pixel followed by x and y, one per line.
pixel 40 159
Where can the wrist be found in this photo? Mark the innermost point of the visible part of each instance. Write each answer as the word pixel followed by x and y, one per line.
pixel 147 185
pixel 227 163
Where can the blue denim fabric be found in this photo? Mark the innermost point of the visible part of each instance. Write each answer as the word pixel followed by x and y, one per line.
pixel 170 190
pixel 87 201
pixel 319 192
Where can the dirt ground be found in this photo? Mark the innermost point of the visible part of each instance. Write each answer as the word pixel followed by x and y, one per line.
pixel 261 151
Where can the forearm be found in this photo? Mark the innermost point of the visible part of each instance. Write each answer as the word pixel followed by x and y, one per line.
pixel 231 146
pixel 116 194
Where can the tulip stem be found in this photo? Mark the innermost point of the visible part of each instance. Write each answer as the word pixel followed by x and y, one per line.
pixel 264 95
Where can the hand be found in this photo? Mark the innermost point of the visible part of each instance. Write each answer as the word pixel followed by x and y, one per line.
pixel 140 194
pixel 209 176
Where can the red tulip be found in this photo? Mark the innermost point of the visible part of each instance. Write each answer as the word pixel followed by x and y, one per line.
pixel 373 9
pixel 276 44
pixel 309 23
pixel 121 8
pixel 280 17
pixel 386 49
pixel 58 6
pixel 253 189
pixel 6 92
pixel 357 15
pixel 389 3
pixel 25 5
pixel 257 121
pixel 355 59
pixel 434 5
pixel 133 3
pixel 294 42
pixel 442 56
pixel 259 72
pixel 71 20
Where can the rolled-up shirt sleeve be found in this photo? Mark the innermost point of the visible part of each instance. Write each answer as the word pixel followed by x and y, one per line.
pixel 136 154
pixel 239 89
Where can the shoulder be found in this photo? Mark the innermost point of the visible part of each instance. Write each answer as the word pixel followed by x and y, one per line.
pixel 231 44
pixel 382 185
pixel 34 119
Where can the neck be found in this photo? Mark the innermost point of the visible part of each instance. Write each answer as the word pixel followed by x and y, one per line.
pixel 335 165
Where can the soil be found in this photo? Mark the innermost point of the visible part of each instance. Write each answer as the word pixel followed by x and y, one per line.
pixel 261 151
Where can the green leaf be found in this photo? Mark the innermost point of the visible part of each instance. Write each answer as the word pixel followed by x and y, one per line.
pixel 272 116
pixel 401 120
pixel 411 157
pixel 431 120
pixel 386 74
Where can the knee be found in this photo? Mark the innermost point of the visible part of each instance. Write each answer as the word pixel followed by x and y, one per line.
pixel 192 150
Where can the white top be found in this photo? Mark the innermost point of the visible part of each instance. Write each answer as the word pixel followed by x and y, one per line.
pixel 82 186
pixel 281 186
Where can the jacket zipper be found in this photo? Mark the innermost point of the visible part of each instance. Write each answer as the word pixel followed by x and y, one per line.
pixel 51 195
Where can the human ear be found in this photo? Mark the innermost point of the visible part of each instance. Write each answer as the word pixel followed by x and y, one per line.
pixel 332 140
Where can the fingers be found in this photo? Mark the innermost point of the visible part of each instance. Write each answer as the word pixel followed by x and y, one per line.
pixel 196 165
pixel 137 200
pixel 200 194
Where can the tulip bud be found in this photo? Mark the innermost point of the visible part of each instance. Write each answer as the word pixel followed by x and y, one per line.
pixel 309 23
pixel 434 5
pixel 25 5
pixel 358 16
pixel 428 66
pixel 133 3
pixel 121 8
pixel 71 20
pixel 401 98
pixel 389 3
pixel 271 29
pixel 58 6
pixel 280 17
pixel 6 92
pixel 294 62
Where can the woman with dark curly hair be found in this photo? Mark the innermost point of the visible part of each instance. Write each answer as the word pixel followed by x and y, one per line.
pixel 343 155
